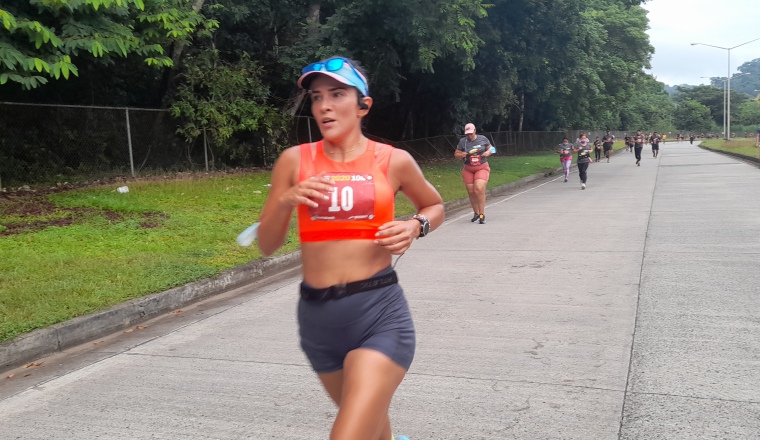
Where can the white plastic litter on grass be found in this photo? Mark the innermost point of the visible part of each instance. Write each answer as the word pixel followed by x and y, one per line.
pixel 247 237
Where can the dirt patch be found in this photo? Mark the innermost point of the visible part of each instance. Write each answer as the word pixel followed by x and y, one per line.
pixel 22 228
pixel 12 204
pixel 157 215
pixel 113 217
pixel 36 206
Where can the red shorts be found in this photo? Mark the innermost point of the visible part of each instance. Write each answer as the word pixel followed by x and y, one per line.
pixel 471 173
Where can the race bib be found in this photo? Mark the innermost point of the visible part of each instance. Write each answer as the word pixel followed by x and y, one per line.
pixel 352 198
pixel 475 160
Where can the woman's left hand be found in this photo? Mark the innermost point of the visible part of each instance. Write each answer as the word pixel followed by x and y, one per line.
pixel 397 236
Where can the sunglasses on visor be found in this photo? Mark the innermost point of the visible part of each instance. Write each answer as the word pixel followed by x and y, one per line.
pixel 343 68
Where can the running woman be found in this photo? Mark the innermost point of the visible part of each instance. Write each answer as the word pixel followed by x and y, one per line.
pixel 607 142
pixel 474 150
pixel 565 150
pixel 597 149
pixel 355 326
pixel 638 145
pixel 583 148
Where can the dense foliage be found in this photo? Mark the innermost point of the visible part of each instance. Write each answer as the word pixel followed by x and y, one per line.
pixel 227 68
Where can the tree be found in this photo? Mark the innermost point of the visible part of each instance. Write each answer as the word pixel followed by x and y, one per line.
pixel 649 108
pixel 693 116
pixel 42 39
pixel 221 100
pixel 503 64
pixel 747 81
pixel 748 113
pixel 712 98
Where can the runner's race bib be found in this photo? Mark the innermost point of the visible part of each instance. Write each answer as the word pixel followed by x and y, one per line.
pixel 475 160
pixel 353 198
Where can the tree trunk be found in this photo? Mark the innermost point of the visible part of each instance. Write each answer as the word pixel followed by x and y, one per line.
pixel 522 112
pixel 314 11
pixel 171 73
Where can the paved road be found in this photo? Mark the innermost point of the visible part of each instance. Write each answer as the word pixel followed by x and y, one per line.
pixel 630 310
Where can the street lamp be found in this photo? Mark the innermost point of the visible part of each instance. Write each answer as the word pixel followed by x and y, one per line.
pixel 728 81
pixel 724 102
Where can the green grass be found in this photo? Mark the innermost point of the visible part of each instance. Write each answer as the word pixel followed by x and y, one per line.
pixel 89 249
pixel 743 146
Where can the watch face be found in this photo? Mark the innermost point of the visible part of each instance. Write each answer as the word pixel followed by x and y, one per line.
pixel 424 224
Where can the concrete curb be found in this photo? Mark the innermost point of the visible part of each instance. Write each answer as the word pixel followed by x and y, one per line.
pixel 754 160
pixel 59 337
pixel 43 342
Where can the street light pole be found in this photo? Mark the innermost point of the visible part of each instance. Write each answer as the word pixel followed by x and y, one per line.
pixel 728 81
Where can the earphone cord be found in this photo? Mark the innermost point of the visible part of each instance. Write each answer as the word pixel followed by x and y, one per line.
pixel 396 262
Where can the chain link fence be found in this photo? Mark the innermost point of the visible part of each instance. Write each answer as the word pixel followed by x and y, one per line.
pixel 42 144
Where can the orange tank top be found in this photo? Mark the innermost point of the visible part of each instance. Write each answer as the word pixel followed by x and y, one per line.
pixel 363 199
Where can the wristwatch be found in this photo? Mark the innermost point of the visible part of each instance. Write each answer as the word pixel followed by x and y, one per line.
pixel 424 224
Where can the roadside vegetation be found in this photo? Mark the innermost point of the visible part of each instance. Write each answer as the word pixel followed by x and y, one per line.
pixel 70 253
pixel 741 146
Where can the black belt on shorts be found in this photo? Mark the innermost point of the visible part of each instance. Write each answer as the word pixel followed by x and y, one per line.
pixel 339 291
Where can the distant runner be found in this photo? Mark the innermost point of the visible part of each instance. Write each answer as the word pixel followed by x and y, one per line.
pixel 582 147
pixel 607 142
pixel 597 149
pixel 655 140
pixel 565 150
pixel 474 150
pixel 638 145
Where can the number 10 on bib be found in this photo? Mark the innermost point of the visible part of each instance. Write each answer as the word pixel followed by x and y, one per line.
pixel 352 198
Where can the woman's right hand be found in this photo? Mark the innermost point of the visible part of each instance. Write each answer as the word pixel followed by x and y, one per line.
pixel 305 192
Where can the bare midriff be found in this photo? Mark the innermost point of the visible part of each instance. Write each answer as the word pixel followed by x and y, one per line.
pixel 328 263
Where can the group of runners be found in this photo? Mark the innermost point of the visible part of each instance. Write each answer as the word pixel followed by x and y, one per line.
pixel 635 144
pixel 582 148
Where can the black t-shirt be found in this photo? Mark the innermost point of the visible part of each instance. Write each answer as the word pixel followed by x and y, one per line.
pixel 655 140
pixel 607 141
pixel 639 141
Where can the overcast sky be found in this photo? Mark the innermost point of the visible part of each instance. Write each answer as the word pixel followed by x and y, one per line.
pixel 675 24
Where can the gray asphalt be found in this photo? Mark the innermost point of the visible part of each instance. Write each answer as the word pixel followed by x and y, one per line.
pixel 629 310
